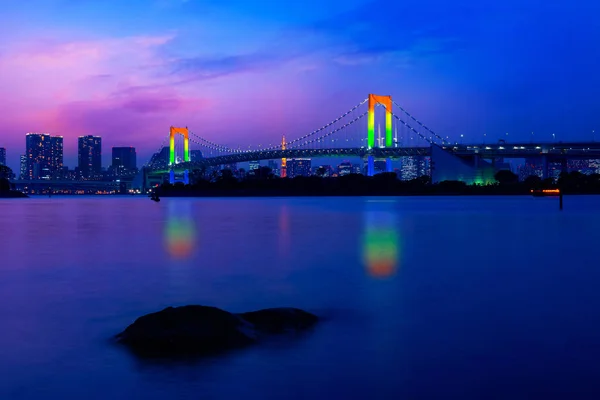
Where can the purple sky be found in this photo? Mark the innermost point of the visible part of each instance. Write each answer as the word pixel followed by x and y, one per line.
pixel 244 72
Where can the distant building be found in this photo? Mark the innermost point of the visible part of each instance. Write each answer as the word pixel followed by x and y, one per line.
pixel 345 168
pixel 196 155
pixel 586 167
pixel 23 167
pixel 56 156
pixel 595 166
pixel 252 165
pixel 380 166
pixel 44 155
pixel 124 160
pixel 413 167
pixel 89 152
pixel 298 167
pixel 160 160
pixel 356 169
pixel 2 156
pixel 274 167
pixel 323 170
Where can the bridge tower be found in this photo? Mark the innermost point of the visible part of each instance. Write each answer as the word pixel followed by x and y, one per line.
pixel 186 144
pixel 385 101
pixel 173 131
pixel 283 173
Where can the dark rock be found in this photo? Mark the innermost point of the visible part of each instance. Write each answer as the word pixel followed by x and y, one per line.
pixel 278 320
pixel 192 330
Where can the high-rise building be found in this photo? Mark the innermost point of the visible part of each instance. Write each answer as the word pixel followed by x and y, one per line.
pixel 23 167
pixel 252 165
pixel 89 155
pixel 39 156
pixel 298 167
pixel 2 156
pixel 56 155
pixel 124 159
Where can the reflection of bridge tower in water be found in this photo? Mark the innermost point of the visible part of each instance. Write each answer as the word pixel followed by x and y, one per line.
pixel 173 160
pixel 381 239
pixel 385 101
pixel 283 160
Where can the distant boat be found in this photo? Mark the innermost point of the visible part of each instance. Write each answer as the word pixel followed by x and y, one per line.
pixel 545 192
pixel 154 197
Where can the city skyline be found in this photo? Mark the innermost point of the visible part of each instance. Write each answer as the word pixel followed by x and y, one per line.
pixel 127 72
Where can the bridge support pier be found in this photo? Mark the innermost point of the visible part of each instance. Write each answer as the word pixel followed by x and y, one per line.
pixel 171 177
pixel 388 165
pixel 186 177
pixel 370 166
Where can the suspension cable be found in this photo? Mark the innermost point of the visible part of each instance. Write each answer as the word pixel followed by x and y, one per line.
pixel 419 122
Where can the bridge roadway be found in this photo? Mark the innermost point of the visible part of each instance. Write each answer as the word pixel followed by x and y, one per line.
pixel 303 153
pixel 550 151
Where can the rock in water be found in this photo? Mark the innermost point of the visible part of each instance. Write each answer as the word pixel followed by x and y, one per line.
pixel 186 330
pixel 199 330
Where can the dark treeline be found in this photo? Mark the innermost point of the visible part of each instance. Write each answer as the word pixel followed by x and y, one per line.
pixel 264 183
pixel 6 188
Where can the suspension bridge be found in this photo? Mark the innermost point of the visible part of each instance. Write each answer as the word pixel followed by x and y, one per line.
pixel 377 128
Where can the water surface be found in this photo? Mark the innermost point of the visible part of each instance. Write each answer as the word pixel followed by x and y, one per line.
pixel 424 297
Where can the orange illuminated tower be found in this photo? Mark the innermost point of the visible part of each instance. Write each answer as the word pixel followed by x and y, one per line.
pixel 283 160
pixel 186 144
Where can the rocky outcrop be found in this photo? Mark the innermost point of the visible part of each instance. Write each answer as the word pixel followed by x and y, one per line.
pixel 192 330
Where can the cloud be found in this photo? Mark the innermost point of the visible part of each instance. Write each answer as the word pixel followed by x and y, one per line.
pixel 206 68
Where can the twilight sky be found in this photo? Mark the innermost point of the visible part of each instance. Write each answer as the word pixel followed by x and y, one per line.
pixel 244 72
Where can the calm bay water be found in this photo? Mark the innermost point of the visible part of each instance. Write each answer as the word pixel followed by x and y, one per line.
pixel 423 298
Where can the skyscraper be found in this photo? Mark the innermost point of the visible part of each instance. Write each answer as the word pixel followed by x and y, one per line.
pixel 2 156
pixel 56 155
pixel 89 156
pixel 124 159
pixel 39 155
pixel 44 156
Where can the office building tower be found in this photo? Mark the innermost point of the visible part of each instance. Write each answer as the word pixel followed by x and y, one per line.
pixel 56 156
pixel 39 156
pixel 23 167
pixel 298 167
pixel 124 160
pixel 2 156
pixel 89 153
